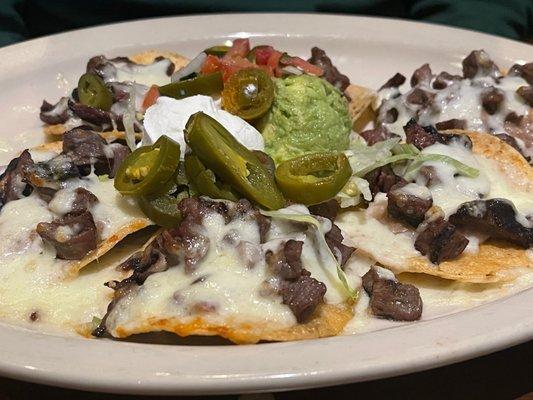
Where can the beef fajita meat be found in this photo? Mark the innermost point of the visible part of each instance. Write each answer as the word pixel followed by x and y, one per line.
pixel 525 71
pixel 328 209
pixel 46 176
pixel 303 296
pixel 379 134
pixel 55 113
pixel 444 79
pixel 83 201
pixel 478 63
pixel 526 93
pixel 451 124
pixel 331 73
pixel 12 183
pixel 334 240
pixel 392 299
pixel 422 75
pixel 425 136
pixel 440 241
pixel 496 218
pixel 491 99
pixel 95 116
pixel 394 82
pixel 382 179
pixel 120 152
pixel 106 68
pixel 420 97
pixel 73 235
pixel 409 203
pixel 286 262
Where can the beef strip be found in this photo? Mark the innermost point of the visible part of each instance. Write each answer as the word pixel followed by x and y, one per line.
pixel 451 124
pixel 83 201
pixel 420 97
pixel 286 262
pixel 334 240
pixel 331 73
pixel 525 71
pixel 95 116
pixel 425 136
pixel 526 93
pixel 396 81
pixel 422 75
pixel 12 183
pixel 379 134
pixel 478 63
pixel 120 152
pixel 303 296
pixel 495 217
pixel 243 208
pixel 440 241
pixel 406 206
pixel 73 235
pixel 392 299
pixel 382 179
pixel 327 209
pixel 491 100
pixel 53 114
pixel 444 79
pixel 428 176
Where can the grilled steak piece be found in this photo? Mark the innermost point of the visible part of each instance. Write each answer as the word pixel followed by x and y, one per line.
pixel 379 134
pixel 392 299
pixel 334 240
pixel 478 63
pixel 73 235
pixel 397 80
pixel 331 73
pixel 425 136
pixel 409 202
pixel 495 217
pixel 420 97
pixel 526 92
pixel 440 241
pixel 422 75
pixel 120 152
pixel 491 100
pixel 444 79
pixel 525 71
pixel 451 124
pixel 286 262
pixel 12 183
pixel 303 296
pixel 382 179
pixel 55 113
pixel 328 209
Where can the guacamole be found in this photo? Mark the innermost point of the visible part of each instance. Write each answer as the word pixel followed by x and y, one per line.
pixel 308 115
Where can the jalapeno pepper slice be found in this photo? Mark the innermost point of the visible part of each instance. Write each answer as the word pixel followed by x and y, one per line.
pixel 248 93
pixel 205 182
pixel 163 209
pixel 207 84
pixel 237 166
pixel 313 178
pixel 218 51
pixel 148 168
pixel 93 92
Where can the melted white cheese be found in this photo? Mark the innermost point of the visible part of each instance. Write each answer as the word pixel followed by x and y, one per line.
pixel 168 117
pixel 152 74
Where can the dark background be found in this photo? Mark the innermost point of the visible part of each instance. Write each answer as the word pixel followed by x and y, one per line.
pixel 26 19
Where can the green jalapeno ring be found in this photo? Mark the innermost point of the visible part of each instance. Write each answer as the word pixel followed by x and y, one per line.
pixel 204 180
pixel 162 209
pixel 248 93
pixel 93 92
pixel 313 178
pixel 207 84
pixel 148 168
pixel 218 51
pixel 237 166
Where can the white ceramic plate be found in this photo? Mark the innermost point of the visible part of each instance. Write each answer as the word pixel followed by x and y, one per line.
pixel 369 51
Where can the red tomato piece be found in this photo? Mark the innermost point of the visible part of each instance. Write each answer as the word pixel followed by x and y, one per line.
pixel 262 54
pixel 211 64
pixel 240 47
pixel 150 97
pixel 306 66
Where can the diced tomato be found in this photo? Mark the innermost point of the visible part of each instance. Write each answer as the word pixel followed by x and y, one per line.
pixel 273 62
pixel 306 66
pixel 150 97
pixel 211 64
pixel 240 47
pixel 262 54
pixel 231 65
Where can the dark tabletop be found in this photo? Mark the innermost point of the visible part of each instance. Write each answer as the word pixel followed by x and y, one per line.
pixel 507 374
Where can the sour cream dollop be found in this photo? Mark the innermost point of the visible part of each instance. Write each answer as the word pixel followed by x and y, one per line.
pixel 168 116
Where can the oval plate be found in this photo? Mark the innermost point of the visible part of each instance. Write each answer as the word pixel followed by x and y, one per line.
pixel 369 50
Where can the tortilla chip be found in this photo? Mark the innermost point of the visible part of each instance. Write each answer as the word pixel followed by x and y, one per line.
pixel 360 100
pixel 146 57
pixel 496 260
pixel 328 320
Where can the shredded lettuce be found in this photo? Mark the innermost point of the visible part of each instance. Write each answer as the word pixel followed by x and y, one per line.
pixel 310 220
pixel 350 195
pixel 361 156
pixel 419 161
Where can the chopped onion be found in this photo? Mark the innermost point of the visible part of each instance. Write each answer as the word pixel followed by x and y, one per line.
pixel 291 70
pixel 194 66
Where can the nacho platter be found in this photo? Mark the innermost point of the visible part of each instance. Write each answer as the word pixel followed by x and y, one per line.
pixel 361 260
